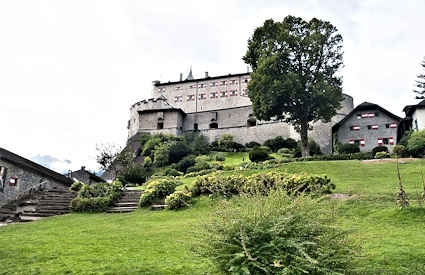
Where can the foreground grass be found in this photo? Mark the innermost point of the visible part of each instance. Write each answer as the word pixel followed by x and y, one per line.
pixel 146 242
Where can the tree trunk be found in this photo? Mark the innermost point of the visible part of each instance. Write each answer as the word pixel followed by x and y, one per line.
pixel 304 140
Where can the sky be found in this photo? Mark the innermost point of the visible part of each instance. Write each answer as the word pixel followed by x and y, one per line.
pixel 70 70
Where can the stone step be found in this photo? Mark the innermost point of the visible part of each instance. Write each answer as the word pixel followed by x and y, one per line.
pixel 54 201
pixel 36 214
pixel 29 218
pixel 53 207
pixel 121 210
pixel 57 197
pixel 46 212
pixel 155 207
pixel 127 204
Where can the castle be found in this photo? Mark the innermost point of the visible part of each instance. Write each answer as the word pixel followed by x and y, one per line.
pixel 215 106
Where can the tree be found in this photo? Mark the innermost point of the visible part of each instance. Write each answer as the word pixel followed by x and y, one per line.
pixel 420 84
pixel 294 64
pixel 112 159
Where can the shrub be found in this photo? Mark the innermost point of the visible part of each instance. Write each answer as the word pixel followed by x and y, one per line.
pixel 313 149
pixel 76 186
pixel 219 157
pixel 274 234
pixel 416 144
pixel 252 144
pixel 405 139
pixel 348 148
pixel 157 190
pixel 161 155
pixel 172 172
pixel 285 152
pixel 214 146
pixel 200 173
pixel 150 145
pixel 258 154
pixel 379 149
pixel 400 150
pixel 200 145
pixel 202 158
pixel 177 151
pixel 198 167
pixel 275 143
pixel 178 200
pixel 143 138
pixel 381 155
pixel 147 161
pixel 185 163
pixel 97 197
pixel 135 173
pixel 217 185
pixel 290 143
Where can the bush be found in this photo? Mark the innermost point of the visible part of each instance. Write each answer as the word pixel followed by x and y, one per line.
pixel 348 148
pixel 97 197
pixel 172 172
pixel 228 186
pixel 177 151
pixel 200 145
pixel 150 145
pixel 405 139
pixel 258 154
pixel 400 151
pixel 381 155
pixel 147 162
pixel 144 137
pixel 313 149
pixel 178 200
pixel 198 167
pixel 185 163
pixel 162 155
pixel 252 144
pixel 379 149
pixel 219 157
pixel 274 234
pixel 157 190
pixel 290 143
pixel 76 186
pixel 135 173
pixel 275 143
pixel 416 144
pixel 202 158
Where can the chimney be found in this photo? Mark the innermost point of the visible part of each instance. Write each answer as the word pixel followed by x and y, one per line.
pixel 83 168
pixel 181 77
pixel 155 82
pixel 206 75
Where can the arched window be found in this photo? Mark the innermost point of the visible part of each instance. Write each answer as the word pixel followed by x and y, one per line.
pixel 251 121
pixel 160 124
pixel 213 124
pixel 195 126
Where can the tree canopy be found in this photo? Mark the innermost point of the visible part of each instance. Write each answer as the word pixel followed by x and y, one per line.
pixel 294 78
pixel 420 83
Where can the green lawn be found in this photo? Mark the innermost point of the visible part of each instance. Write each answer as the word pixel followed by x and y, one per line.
pixel 146 242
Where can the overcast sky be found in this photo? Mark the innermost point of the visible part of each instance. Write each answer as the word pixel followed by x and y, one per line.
pixel 69 70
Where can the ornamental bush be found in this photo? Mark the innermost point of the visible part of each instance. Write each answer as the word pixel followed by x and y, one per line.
pixel 348 148
pixel 274 234
pixel 258 154
pixel 416 144
pixel 97 197
pixel 135 174
pixel 185 163
pixel 379 149
pixel 220 156
pixel 400 151
pixel 76 186
pixel 252 144
pixel 177 200
pixel 382 155
pixel 156 190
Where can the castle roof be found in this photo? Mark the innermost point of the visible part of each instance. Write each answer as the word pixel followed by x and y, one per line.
pixel 158 84
pixel 24 163
pixel 365 106
pixel 410 109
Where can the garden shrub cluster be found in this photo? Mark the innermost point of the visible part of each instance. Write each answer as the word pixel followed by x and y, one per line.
pixel 279 142
pixel 157 190
pixel 97 197
pixel 416 143
pixel 76 186
pixel 258 154
pixel 228 186
pixel 382 155
pixel 274 234
pixel 135 173
pixel 379 149
pixel 178 199
pixel 348 148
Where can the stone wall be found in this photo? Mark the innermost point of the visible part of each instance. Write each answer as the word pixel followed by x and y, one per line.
pixel 26 179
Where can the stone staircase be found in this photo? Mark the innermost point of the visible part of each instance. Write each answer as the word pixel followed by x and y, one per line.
pixel 129 202
pixel 44 204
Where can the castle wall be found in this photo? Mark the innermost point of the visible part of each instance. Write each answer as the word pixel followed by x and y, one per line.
pixel 206 94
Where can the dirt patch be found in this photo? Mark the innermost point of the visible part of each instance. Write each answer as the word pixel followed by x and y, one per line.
pixel 401 160
pixel 342 197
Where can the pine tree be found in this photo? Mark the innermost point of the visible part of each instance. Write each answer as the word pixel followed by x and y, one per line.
pixel 420 84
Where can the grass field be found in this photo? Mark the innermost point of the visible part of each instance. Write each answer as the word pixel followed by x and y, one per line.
pixel 145 242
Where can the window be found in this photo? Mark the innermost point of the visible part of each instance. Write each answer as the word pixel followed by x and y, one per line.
pixel 223 83
pixel 202 96
pixel 359 116
pixel 190 97
pixel 252 121
pixel 373 127
pixel 233 93
pixel 357 141
pixel 385 141
pixel 178 98
pixel 355 128
pixel 416 125
pixel 213 124
pixel 3 174
pixel 195 126
pixel 223 94
pixel 245 80
pixel 387 125
pixel 213 84
pixel 160 124
pixel 214 95
pixel 244 92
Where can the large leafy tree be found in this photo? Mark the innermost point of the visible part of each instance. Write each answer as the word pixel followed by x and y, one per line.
pixel 294 78
pixel 420 84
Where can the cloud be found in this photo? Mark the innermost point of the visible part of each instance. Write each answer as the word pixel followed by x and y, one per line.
pixel 58 165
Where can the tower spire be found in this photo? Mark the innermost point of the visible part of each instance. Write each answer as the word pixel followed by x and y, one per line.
pixel 190 76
